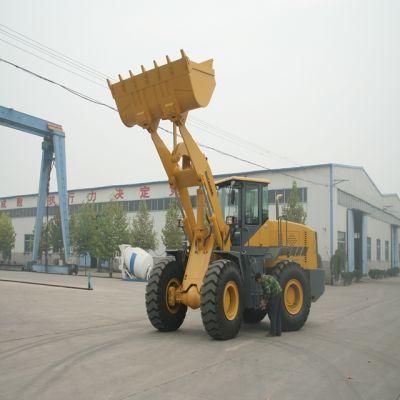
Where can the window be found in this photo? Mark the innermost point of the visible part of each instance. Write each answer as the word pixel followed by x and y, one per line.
pixel 28 243
pixel 341 240
pixel 264 203
pixel 229 198
pixel 386 250
pixel 378 249
pixel 251 205
pixel 368 248
pixel 286 194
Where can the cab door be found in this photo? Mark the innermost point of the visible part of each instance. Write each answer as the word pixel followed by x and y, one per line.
pixel 251 210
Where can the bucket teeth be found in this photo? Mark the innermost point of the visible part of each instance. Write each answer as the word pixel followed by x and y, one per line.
pixel 164 91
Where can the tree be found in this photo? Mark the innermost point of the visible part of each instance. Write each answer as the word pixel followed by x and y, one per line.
pixel 172 235
pixel 142 232
pixel 7 235
pixel 294 209
pixel 112 230
pixel 84 230
pixel 55 233
pixel 338 264
pixel 51 236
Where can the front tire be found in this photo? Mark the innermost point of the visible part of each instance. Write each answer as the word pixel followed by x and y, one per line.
pixel 296 296
pixel 162 315
pixel 221 300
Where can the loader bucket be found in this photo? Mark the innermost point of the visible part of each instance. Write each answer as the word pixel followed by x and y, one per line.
pixel 164 92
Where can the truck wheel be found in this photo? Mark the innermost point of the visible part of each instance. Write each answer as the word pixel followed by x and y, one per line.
pixel 252 316
pixel 164 316
pixel 296 296
pixel 221 300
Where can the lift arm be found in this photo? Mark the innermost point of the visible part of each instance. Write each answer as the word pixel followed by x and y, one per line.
pixel 169 92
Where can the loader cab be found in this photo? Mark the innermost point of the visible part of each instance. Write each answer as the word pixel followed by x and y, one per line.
pixel 244 204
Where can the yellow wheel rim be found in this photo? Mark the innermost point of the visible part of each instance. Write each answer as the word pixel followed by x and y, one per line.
pixel 171 306
pixel 293 296
pixel 231 300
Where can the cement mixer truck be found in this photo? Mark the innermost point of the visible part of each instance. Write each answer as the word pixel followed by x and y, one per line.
pixel 134 263
pixel 230 234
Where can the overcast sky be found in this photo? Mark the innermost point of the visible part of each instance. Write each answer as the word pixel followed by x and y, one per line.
pixel 301 81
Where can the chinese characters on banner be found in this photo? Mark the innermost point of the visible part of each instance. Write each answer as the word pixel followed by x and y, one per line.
pixel 51 200
pixel 19 201
pixel 71 198
pixel 144 192
pixel 3 203
pixel 91 197
pixel 171 191
pixel 119 193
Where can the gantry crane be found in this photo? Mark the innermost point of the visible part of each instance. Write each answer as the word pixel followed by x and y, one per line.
pixel 53 150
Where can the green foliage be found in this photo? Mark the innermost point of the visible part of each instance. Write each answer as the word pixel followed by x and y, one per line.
pixel 55 233
pixel 294 209
pixel 84 231
pixel 357 275
pixel 7 235
pixel 142 231
pixel 381 273
pixel 51 236
pixel 347 278
pixel 172 235
pixel 112 230
pixel 338 263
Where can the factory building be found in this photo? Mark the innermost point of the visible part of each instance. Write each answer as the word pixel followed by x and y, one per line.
pixel 343 205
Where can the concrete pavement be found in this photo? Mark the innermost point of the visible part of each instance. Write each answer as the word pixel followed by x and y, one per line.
pixel 60 344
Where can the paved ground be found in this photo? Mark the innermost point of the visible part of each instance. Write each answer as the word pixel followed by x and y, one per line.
pixel 60 344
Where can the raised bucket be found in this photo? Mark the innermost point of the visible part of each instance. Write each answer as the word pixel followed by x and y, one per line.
pixel 163 92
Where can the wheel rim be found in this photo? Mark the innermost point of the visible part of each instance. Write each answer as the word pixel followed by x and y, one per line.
pixel 171 306
pixel 231 300
pixel 293 296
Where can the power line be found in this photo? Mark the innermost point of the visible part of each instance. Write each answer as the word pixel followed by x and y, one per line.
pixel 75 92
pixel 206 126
pixel 196 122
pixel 92 100
pixel 55 52
pixel 49 54
pixel 50 62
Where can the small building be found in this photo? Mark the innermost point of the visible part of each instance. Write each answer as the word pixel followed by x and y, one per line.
pixel 342 202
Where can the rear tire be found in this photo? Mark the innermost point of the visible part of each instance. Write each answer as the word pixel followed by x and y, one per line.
pixel 164 317
pixel 296 296
pixel 221 300
pixel 253 316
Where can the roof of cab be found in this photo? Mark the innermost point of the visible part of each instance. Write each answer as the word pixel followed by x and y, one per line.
pixel 243 179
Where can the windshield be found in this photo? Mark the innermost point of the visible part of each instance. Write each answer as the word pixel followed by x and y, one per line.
pixel 229 199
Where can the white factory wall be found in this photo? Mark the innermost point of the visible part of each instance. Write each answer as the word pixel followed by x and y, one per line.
pixel 316 179
pixel 317 205
pixel 379 230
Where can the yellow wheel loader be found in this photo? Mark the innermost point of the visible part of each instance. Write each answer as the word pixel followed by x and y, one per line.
pixel 229 232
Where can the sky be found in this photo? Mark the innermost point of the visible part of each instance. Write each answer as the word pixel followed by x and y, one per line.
pixel 299 82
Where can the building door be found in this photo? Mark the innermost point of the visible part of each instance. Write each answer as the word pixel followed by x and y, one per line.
pixel 357 241
pixel 364 244
pixel 350 240
pixel 395 246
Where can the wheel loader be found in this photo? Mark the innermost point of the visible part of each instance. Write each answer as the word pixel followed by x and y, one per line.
pixel 230 234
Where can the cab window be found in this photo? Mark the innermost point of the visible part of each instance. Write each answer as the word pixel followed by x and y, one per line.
pixel 251 205
pixel 264 203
